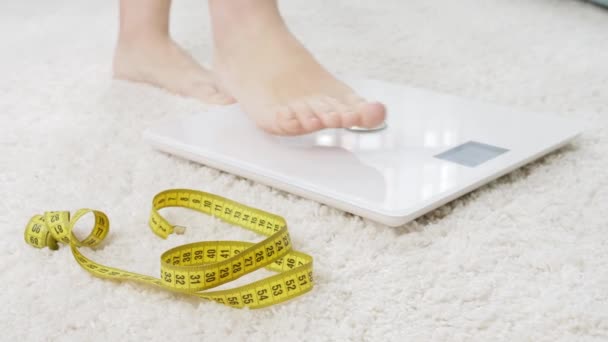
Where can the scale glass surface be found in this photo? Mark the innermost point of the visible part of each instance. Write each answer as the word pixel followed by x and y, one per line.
pixel 434 149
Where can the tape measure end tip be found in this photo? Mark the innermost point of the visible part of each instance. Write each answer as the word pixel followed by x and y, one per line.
pixel 179 230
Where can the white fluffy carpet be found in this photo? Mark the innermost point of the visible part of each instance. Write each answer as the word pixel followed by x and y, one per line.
pixel 525 258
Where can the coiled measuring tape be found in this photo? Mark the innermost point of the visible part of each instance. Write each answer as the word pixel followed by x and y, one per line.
pixel 194 268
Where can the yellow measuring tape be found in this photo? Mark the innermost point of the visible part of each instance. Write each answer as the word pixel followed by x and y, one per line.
pixel 196 267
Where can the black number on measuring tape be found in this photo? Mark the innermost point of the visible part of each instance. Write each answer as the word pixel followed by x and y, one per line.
pixel 248 298
pixel 34 240
pixel 36 228
pixel 262 294
pixel 195 279
pixel 233 300
pixel 236 267
pixel 99 231
pixel 198 255
pixel 186 257
pixel 270 251
pixel 259 256
pixel 291 285
pixel 167 277
pixel 225 253
pixel 209 277
pixel 279 245
pixel 180 279
pixel 58 229
pixel 249 261
pixel 277 290
pixel 211 253
pixel 302 280
pixel 224 272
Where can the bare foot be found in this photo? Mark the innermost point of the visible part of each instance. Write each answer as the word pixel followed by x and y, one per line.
pixel 277 81
pixel 162 63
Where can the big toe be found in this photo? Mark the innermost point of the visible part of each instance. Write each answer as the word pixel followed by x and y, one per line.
pixel 372 114
pixel 287 123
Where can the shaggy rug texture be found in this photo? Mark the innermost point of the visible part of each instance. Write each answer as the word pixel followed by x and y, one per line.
pixel 524 258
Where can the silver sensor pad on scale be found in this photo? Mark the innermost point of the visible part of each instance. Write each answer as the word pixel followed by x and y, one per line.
pixel 358 129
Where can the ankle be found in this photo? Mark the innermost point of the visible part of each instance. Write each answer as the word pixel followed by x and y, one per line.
pixel 242 11
pixel 143 21
pixel 242 19
pixel 131 40
pixel 131 50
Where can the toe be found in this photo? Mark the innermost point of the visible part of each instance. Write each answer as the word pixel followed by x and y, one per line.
pixel 200 88
pixel 350 118
pixel 309 121
pixel 223 94
pixel 206 92
pixel 287 122
pixel 372 114
pixel 348 114
pixel 222 99
pixel 326 112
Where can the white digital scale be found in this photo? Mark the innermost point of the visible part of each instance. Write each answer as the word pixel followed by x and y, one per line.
pixel 434 149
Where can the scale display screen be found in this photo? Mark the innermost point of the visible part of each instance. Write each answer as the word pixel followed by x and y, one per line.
pixel 471 154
